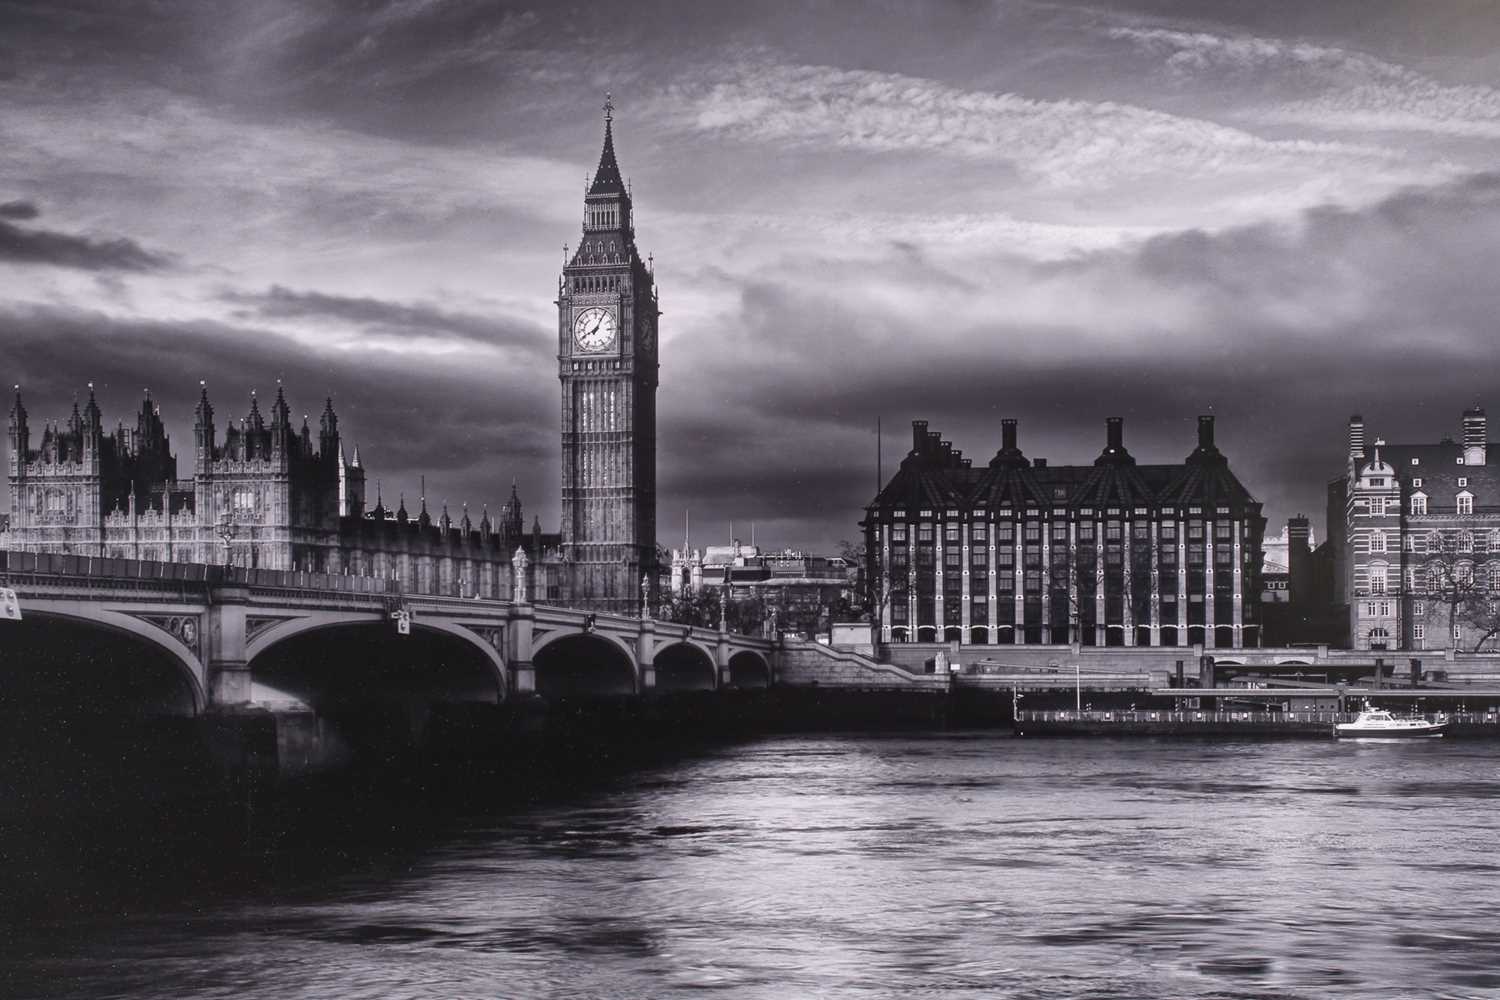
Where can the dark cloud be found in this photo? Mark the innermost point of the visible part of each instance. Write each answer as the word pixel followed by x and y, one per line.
pixel 401 319
pixel 47 247
pixel 18 210
pixel 1386 310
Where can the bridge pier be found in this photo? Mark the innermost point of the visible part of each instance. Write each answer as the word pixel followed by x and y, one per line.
pixel 645 656
pixel 518 649
pixel 721 658
pixel 226 662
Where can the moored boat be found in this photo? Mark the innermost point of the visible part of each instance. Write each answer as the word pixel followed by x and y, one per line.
pixel 1378 723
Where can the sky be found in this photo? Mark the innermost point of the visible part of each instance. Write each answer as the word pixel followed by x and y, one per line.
pixel 1276 212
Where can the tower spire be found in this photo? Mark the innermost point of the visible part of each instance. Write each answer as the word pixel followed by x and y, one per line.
pixel 607 179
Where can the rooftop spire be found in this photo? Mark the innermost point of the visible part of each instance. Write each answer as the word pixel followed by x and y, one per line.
pixel 607 179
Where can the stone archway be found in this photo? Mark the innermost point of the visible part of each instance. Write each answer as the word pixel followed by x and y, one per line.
pixel 685 666
pixel 583 665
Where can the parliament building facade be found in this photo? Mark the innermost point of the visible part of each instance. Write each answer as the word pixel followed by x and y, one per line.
pixel 1020 551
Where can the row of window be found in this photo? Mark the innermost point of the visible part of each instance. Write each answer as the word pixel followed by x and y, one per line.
pixel 1463 503
pixel 1379 540
pixel 979 531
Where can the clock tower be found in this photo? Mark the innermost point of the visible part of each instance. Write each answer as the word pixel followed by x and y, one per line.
pixel 606 357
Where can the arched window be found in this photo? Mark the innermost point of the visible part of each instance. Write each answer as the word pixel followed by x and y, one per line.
pixel 1379 637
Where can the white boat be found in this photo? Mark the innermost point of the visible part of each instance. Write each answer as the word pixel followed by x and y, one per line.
pixel 1381 724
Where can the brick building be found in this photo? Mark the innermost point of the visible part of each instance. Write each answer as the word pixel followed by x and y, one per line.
pixel 1112 553
pixel 1419 556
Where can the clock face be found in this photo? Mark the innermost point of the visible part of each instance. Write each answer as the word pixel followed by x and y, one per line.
pixel 594 330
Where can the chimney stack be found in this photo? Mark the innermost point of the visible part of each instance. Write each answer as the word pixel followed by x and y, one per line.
pixel 1206 432
pixel 1356 436
pixel 1114 433
pixel 918 435
pixel 1476 431
pixel 1008 434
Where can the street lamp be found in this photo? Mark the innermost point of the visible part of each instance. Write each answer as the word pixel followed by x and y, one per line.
pixel 226 534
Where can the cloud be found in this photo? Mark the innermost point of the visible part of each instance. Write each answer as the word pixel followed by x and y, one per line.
pixel 410 325
pixel 22 210
pixel 47 247
pixel 1349 91
pixel 1280 330
pixel 1051 143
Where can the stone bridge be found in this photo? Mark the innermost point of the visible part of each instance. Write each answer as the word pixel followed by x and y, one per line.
pixel 207 637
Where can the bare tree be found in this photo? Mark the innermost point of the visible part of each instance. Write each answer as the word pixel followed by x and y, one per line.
pixel 1448 577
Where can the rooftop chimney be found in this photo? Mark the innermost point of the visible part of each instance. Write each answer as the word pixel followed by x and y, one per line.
pixel 1356 436
pixel 918 434
pixel 1008 434
pixel 1206 432
pixel 1114 433
pixel 1475 433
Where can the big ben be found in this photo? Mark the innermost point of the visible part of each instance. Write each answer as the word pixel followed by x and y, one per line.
pixel 607 313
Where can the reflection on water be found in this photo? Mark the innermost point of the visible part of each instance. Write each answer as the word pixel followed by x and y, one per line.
pixel 949 865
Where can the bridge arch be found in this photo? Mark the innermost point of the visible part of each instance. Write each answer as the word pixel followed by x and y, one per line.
pixel 685 665
pixel 187 667
pixel 749 669
pixel 587 665
pixel 282 631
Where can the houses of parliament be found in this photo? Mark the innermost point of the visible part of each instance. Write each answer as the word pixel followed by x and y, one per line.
pixel 268 494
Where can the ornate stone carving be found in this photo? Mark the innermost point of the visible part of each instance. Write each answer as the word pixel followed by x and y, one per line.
pixel 186 629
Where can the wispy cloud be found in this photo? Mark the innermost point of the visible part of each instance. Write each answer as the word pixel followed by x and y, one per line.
pixel 1051 143
pixel 396 326
pixel 1354 91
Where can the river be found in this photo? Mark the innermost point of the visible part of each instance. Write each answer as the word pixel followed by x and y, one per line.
pixel 954 865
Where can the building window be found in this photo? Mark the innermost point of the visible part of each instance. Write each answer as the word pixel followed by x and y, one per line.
pixel 1409 543
pixel 898 532
pixel 1458 631
pixel 1465 503
pixel 1418 608
pixel 924 532
pixel 1377 506
pixel 1419 505
pixel 1384 609
pixel 1377 580
pixel 1169 531
pixel 1417 482
pixel 1086 533
pixel 953 558
pixel 979 531
pixel 1195 530
pixel 1004 532
pixel 1033 531
pixel 1059 532
pixel 1377 541
pixel 1419 631
pixel 1463 481
pixel 1465 541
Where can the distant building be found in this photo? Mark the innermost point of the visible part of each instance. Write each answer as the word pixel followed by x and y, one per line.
pixel 1420 551
pixel 1292 546
pixel 1112 553
pixel 802 589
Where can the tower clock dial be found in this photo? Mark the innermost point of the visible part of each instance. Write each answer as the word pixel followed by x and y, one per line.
pixel 594 330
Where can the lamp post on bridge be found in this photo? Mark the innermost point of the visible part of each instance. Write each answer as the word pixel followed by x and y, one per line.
pixel 226 534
